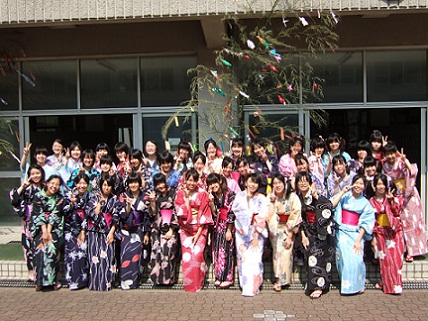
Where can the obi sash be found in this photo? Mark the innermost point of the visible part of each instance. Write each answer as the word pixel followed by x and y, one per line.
pixel 350 217
pixel 138 218
pixel 382 219
pixel 47 214
pixel 223 214
pixel 27 211
pixel 400 184
pixel 166 215
pixel 283 218
pixel 108 218
pixel 81 214
pixel 91 223
pixel 311 216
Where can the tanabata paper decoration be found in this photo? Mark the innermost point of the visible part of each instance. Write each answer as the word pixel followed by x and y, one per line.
pixel 335 18
pixel 263 42
pixel 284 21
pixel 319 14
pixel 4 102
pixel 273 68
pixel 256 114
pixel 214 73
pixel 226 63
pixel 177 124
pixel 255 129
pixel 281 133
pixel 303 21
pixel 233 131
pixel 251 133
pixel 219 91
pixel 281 100
pixel 315 86
pixel 250 44
pixel 244 94
pixel 290 87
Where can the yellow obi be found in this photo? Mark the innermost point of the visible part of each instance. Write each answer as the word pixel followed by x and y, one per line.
pixel 400 184
pixel 382 219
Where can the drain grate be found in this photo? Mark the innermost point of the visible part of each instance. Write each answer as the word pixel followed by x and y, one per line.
pixel 14 242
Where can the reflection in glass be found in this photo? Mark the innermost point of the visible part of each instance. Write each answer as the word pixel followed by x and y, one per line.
pixel 55 86
pixel 9 129
pixel 108 83
pixel 9 90
pixel 396 75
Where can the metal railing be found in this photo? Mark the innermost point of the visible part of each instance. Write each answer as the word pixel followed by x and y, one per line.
pixel 44 11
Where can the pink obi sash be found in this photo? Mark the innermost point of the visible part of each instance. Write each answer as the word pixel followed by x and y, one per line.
pixel 81 214
pixel 350 217
pixel 283 218
pixel 108 217
pixel 223 214
pixel 311 216
pixel 166 216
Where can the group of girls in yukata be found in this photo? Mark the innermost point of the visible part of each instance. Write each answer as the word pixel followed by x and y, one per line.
pixel 109 221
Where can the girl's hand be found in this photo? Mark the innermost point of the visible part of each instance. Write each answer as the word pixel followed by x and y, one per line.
pixel 358 249
pixel 152 196
pixel 110 238
pixel 27 148
pixel 146 239
pixel 168 235
pixel 305 242
pixel 81 238
pixel 228 235
pixel 390 194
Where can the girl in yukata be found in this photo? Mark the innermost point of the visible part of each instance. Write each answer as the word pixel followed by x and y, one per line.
pixel 194 215
pixel 339 177
pixel 244 169
pixel 264 163
pixel 122 153
pixel 237 150
pixel 223 244
pixel 136 162
pixel 134 231
pixel 183 157
pixel 77 204
pixel 106 165
pixel 404 175
pixel 73 157
pixel 303 166
pixel 319 165
pixel 151 152
pixel 102 149
pixel 103 219
pixel 388 235
pixel 250 208
pixel 58 159
pixel 363 150
pixel 22 202
pixel 317 238
pixel 231 177
pixel 355 219
pixel 336 146
pixel 164 233
pixel 47 230
pixel 287 163
pixel 283 218
pixel 86 166
pixel 166 167
pixel 199 161
pixel 377 142
pixel 212 151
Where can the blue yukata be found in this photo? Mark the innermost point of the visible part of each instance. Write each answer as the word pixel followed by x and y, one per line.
pixel 351 267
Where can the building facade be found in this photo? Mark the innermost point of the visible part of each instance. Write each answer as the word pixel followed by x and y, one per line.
pixel 116 70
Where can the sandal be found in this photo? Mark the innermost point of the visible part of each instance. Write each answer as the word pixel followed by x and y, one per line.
pixel 379 285
pixel 57 286
pixel 217 283
pixel 39 288
pixel 225 284
pixel 316 294
pixel 409 258
pixel 277 287
pixel 362 291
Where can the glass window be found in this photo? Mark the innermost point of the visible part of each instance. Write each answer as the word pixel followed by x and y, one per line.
pixel 164 80
pixel 396 75
pixel 152 129
pixel 342 75
pixel 108 83
pixel 7 215
pixel 9 90
pixel 55 86
pixel 9 135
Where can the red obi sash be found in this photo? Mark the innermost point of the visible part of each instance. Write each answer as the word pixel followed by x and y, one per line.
pixel 283 218
pixel 47 214
pixel 311 216
pixel 81 214
pixel 166 215
pixel 108 217
pixel 350 217
pixel 223 214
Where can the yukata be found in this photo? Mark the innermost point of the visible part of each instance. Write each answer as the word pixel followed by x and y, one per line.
pixel 342 183
pixel 388 232
pixel 354 165
pixel 60 166
pixel 23 205
pixel 284 218
pixel 232 184
pixel 351 214
pixel 287 166
pixel 172 179
pixel 223 251
pixel 133 226
pixel 164 253
pixel 47 211
pixel 251 231
pixel 146 176
pixel 75 255
pixel 412 218
pixel 318 226
pixel 72 165
pixel 92 174
pixel 190 219
pixel 101 256
pixel 318 166
pixel 117 188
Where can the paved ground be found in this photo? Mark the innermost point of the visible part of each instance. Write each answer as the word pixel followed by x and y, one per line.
pixel 218 305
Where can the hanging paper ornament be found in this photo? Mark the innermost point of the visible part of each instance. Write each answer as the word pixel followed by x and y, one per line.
pixel 256 114
pixel 335 18
pixel 4 102
pixel 278 86
pixel 250 44
pixel 273 68
pixel 215 74
pixel 251 133
pixel 319 14
pixel 246 57
pixel 284 21
pixel 290 87
pixel 281 133
pixel 226 63
pixel 219 91
pixel 263 42
pixel 303 21
pixel 281 100
pixel 233 131
pixel 255 129
pixel 177 124
pixel 244 94
pixel 315 86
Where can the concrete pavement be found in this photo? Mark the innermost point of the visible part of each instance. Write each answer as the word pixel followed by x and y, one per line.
pixel 218 305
